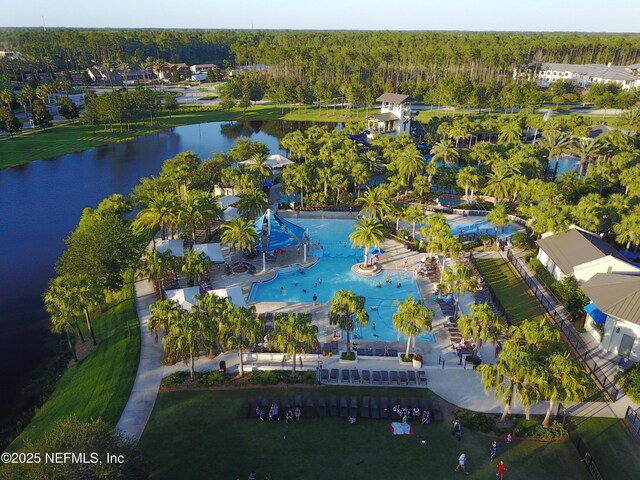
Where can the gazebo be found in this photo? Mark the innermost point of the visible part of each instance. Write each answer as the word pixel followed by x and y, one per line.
pixel 275 233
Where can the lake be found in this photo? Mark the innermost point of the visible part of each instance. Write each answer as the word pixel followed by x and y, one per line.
pixel 41 203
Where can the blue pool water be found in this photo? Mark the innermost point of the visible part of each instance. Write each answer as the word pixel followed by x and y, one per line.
pixel 565 164
pixel 332 272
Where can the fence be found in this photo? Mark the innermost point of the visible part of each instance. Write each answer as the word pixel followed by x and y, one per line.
pixel 583 450
pixel 632 417
pixel 555 311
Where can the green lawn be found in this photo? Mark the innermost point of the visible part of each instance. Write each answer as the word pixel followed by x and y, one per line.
pixel 76 138
pixel 99 386
pixel 513 294
pixel 195 434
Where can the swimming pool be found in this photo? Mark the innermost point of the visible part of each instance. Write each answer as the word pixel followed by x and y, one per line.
pixel 332 272
pixel 566 163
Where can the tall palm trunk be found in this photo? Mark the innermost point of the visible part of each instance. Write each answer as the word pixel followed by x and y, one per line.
pixel 406 353
pixel 546 423
pixel 241 362
pixel 90 326
pixel 71 347
pixel 191 367
pixel 79 332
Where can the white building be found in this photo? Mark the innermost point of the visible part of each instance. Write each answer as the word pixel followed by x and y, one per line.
pixel 394 116
pixel 581 254
pixel 203 67
pixel 614 314
pixel 583 76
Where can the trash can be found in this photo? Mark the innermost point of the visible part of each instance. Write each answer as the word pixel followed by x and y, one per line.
pixel 223 367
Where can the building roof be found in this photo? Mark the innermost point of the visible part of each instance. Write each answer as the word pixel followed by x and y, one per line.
pixel 596 70
pixel 615 294
pixel 576 247
pixel 392 98
pixel 384 117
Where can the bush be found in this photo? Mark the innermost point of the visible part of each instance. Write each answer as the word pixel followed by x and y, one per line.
pixel 470 245
pixel 266 377
pixel 522 240
pixel 404 234
pixel 309 377
pixel 406 358
pixel 175 379
pixel 348 356
pixel 632 382
pixel 213 378
pixel 543 274
pixel 475 420
pixel 533 429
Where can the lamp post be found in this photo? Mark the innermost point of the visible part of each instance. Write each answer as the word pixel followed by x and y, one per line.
pixel 318 371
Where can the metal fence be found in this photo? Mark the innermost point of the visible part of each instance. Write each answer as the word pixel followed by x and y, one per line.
pixel 558 315
pixel 583 450
pixel 632 417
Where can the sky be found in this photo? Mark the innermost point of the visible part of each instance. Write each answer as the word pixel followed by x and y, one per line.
pixel 470 15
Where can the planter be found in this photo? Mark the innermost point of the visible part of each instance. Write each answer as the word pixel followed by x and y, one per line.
pixel 417 362
pixel 402 362
pixel 348 362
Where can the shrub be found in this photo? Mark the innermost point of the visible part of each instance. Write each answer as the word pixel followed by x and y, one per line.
pixel 348 356
pixel 175 379
pixel 533 429
pixel 543 274
pixel 522 240
pixel 213 378
pixel 522 426
pixel 406 358
pixel 632 382
pixel 571 296
pixel 266 377
pixel 475 420
pixel 405 234
pixel 309 377
pixel 470 245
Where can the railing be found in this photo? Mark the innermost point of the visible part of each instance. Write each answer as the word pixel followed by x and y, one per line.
pixel 559 316
pixel 632 417
pixel 583 450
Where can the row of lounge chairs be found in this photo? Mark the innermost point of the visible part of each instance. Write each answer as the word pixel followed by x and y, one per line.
pixel 365 407
pixel 377 377
pixel 377 352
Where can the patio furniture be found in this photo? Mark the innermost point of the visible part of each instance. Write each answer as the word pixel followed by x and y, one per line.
pixel 384 407
pixel 422 377
pixel 375 409
pixel 298 402
pixel 411 377
pixel 384 377
pixel 344 376
pixel 394 377
pixel 334 347
pixel 376 377
pixel 285 404
pixel 366 376
pixel 322 407
pixel 344 407
pixel 365 407
pixel 309 411
pixel 425 404
pixel 334 375
pixel 436 412
pixel 324 375
pixel 404 404
pixel 353 407
pixel 333 406
pixel 355 376
pixel 403 377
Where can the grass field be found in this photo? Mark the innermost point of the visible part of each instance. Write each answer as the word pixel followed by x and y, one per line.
pixel 514 296
pixel 192 435
pixel 99 386
pixel 71 138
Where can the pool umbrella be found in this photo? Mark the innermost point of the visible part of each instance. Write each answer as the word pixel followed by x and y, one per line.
pixel 376 251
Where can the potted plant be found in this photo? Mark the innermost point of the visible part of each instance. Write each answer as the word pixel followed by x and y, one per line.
pixel 417 360
pixel 405 358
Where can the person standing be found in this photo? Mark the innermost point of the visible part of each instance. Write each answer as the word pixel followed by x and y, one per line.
pixel 509 438
pixel 462 459
pixel 315 299
pixel 493 450
pixel 457 430
pixel 501 470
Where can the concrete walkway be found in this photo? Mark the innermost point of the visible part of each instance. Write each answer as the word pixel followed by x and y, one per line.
pixel 147 383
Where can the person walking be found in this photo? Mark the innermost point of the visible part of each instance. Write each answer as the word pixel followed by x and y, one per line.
pixel 509 438
pixel 457 430
pixel 493 450
pixel 462 459
pixel 501 470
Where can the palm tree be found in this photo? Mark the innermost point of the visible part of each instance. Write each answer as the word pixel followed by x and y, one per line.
pixel 630 180
pixel 431 169
pixel 422 185
pixel 483 325
pixel 294 333
pixel 410 164
pixel 375 202
pixel 498 185
pixel 239 233
pixel 60 322
pixel 156 266
pixel 414 214
pixel 163 314
pixel 561 379
pixel 346 309
pixel 368 233
pixel 457 281
pixel 628 229
pixel 558 143
pixel 197 210
pixel 6 97
pixel 511 132
pixel 253 203
pixel 296 175
pixel 161 210
pixel 84 293
pixel 259 167
pixel 445 150
pixel 195 266
pixel 498 216
pixel 57 303
pixel 183 339
pixel 468 178
pixel 246 329
pixel 411 319
pixel 587 149
pixel 632 119
pixel 215 320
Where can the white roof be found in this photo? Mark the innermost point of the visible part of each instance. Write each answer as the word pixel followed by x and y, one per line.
pixel 227 200
pixel 184 296
pixel 230 212
pixel 274 161
pixel 176 247
pixel 211 250
pixel 234 294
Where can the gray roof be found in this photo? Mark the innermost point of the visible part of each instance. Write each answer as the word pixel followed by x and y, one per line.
pixel 392 98
pixel 615 294
pixel 596 70
pixel 384 117
pixel 576 247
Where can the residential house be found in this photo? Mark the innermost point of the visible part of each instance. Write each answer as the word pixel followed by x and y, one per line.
pixel 544 74
pixel 614 314
pixel 582 254
pixel 394 116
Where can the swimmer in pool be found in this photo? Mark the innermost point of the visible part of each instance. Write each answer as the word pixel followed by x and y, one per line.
pixel 281 289
pixel 398 285
pixel 304 290
pixel 374 326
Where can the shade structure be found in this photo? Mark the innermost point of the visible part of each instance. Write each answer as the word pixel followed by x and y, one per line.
pixel 594 312
pixel 211 250
pixel 230 212
pixel 274 232
pixel 233 294
pixel 176 247
pixel 227 200
pixel 376 251
pixel 184 296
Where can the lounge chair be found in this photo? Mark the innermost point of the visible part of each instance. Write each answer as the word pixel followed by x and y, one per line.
pixel 326 348
pixel 384 407
pixel 309 410
pixel 425 404
pixel 422 377
pixel 365 407
pixel 324 375
pixel 375 409
pixel 384 377
pixel 392 404
pixel 376 377
pixel 436 412
pixel 344 376
pixel 298 402
pixel 413 403
pixel 403 377
pixel 355 376
pixel 285 404
pixel 404 403
pixel 379 352
pixel 322 407
pixel 344 407
pixel 334 375
pixel 411 376
pixel 245 411
pixel 265 405
pixel 394 377
pixel 366 376
pixel 393 353
pixel 353 407
pixel 333 406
